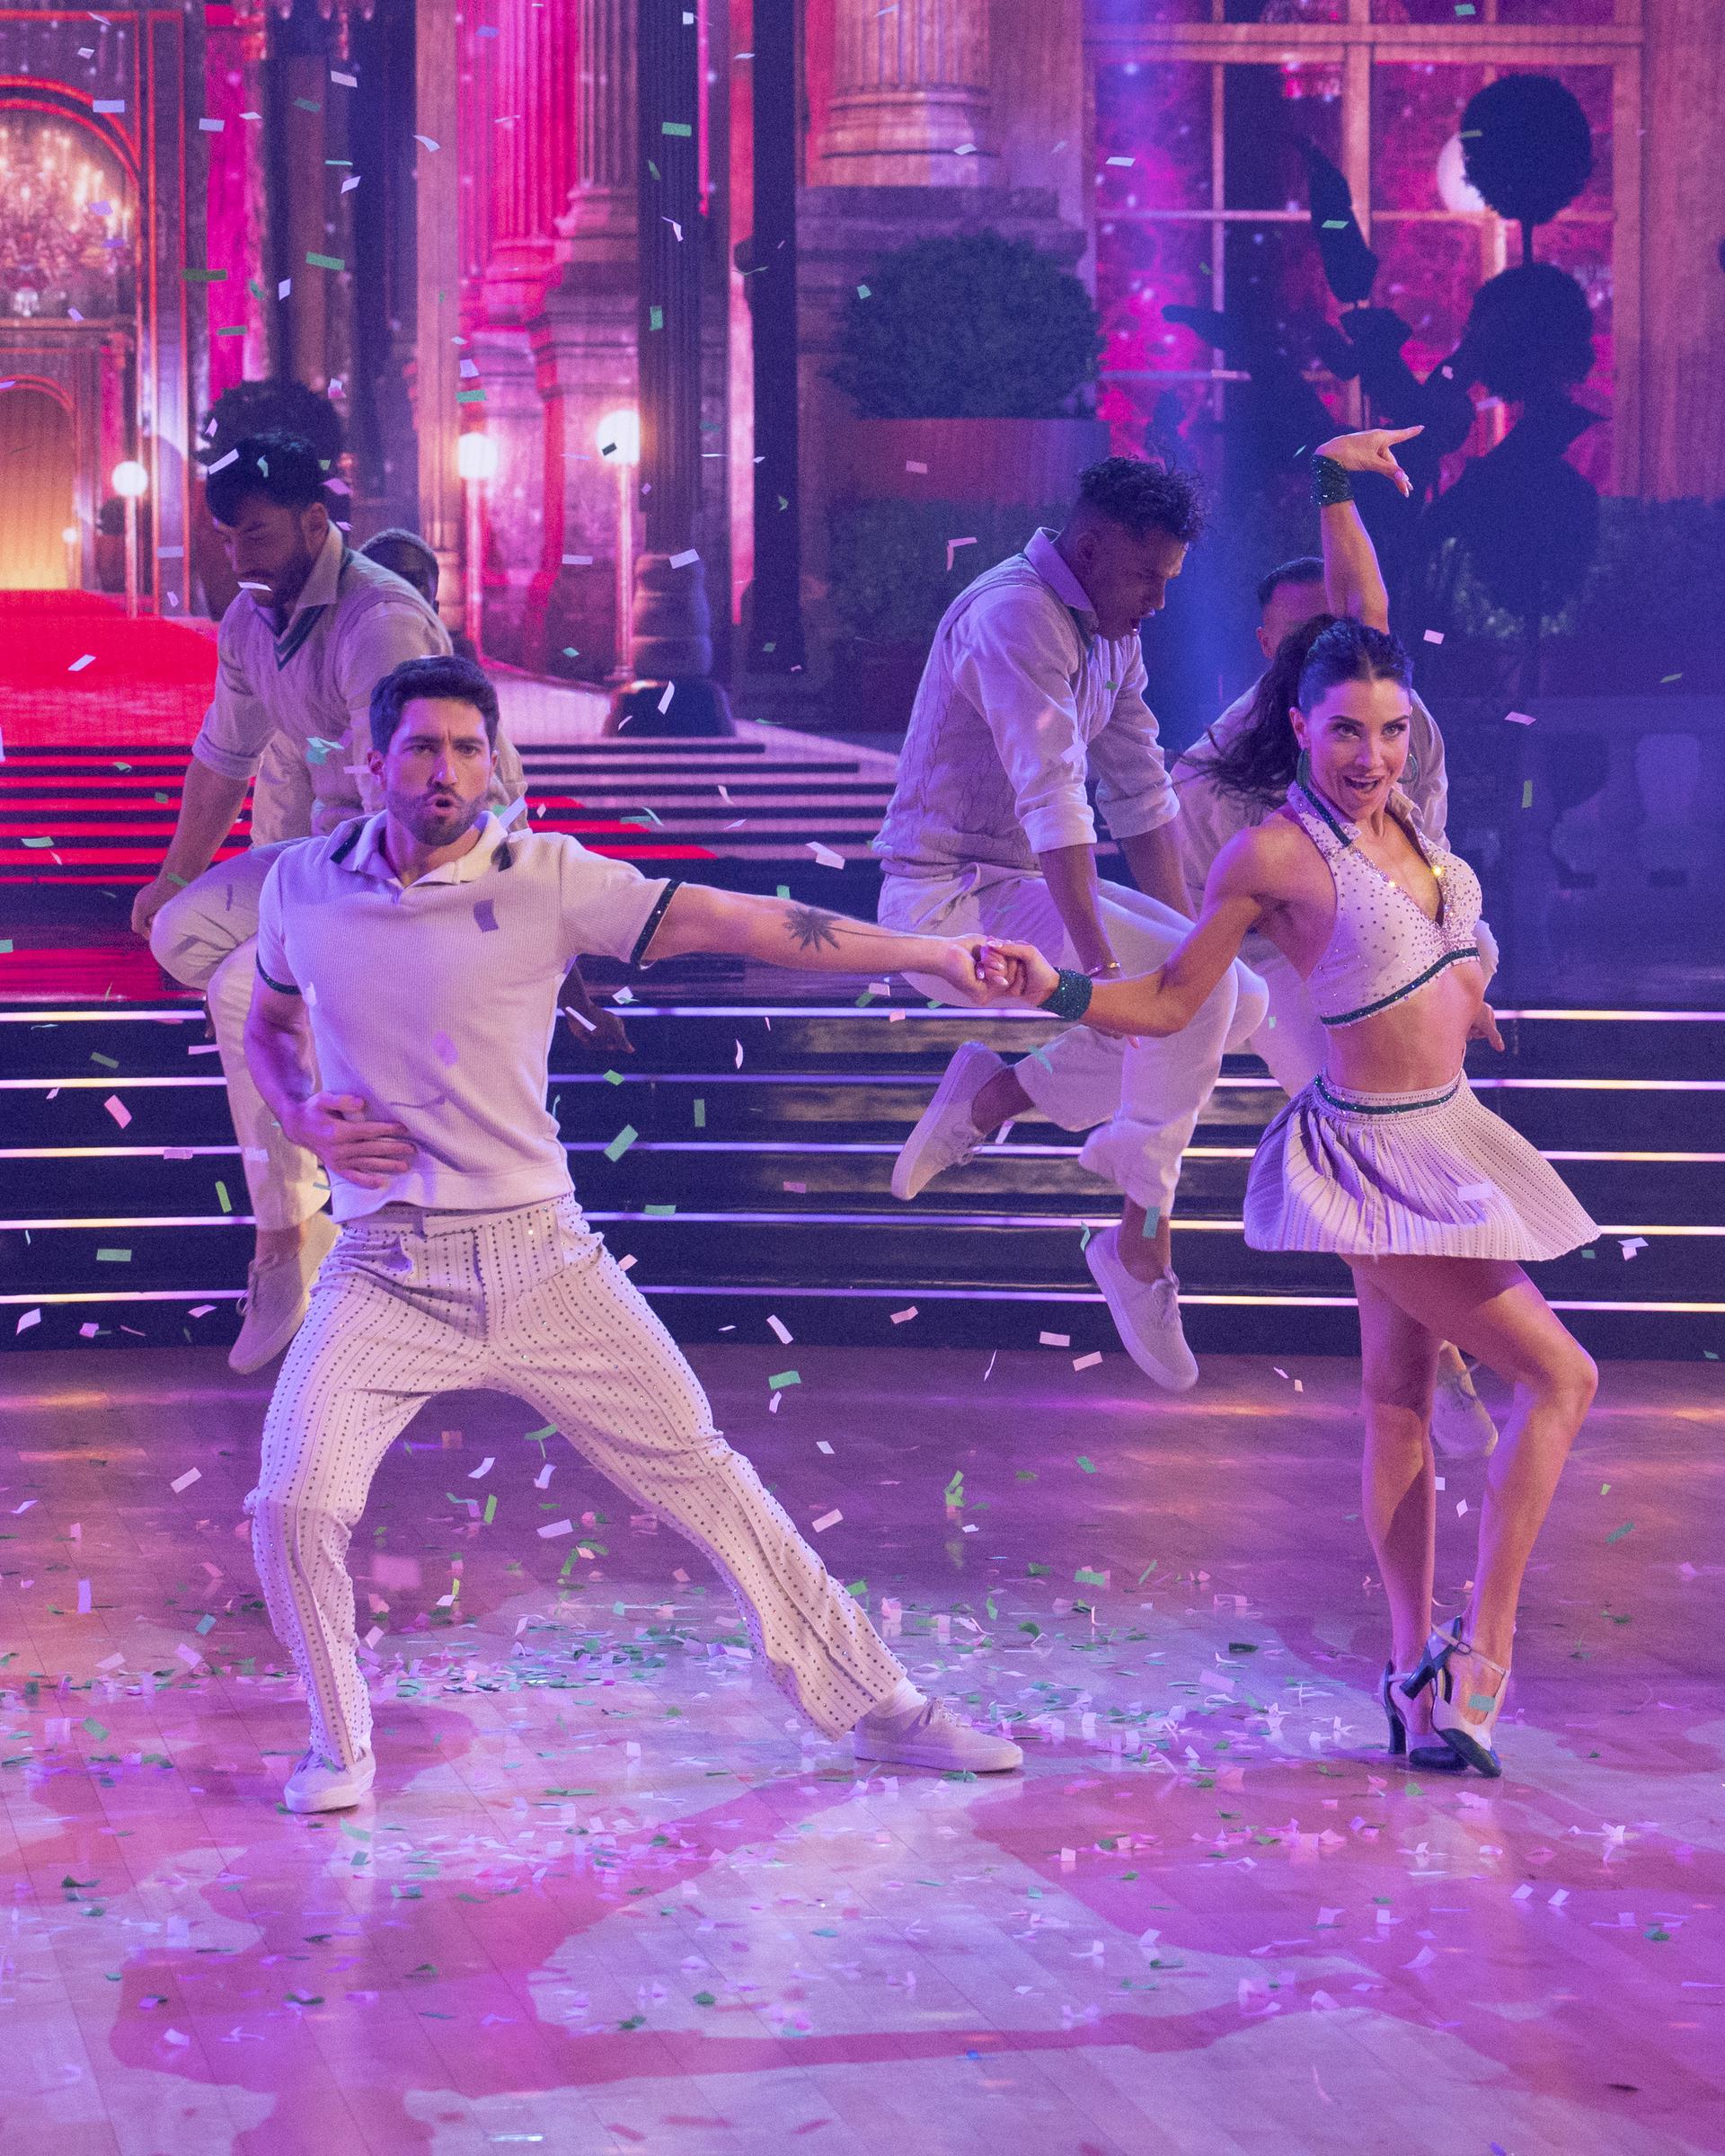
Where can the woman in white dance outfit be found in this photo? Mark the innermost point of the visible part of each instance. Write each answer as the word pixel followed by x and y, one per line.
pixel 1387 1158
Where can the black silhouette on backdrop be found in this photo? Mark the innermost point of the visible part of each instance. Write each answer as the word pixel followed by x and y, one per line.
pixel 1520 521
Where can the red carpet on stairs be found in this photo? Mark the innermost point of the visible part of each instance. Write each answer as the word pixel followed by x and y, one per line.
pixel 76 672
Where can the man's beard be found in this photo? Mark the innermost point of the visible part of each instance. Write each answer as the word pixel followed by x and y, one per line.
pixel 434 826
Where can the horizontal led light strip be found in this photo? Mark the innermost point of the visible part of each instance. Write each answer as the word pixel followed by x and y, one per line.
pixel 1063 1221
pixel 895 1294
pixel 793 1148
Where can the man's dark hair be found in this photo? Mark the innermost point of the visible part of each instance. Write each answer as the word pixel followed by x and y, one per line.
pixel 1143 498
pixel 391 548
pixel 444 676
pixel 284 468
pixel 1303 568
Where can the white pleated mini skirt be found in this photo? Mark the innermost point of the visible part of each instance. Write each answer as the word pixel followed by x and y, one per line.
pixel 1406 1175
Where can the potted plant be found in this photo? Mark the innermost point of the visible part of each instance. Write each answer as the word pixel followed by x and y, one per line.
pixel 971 360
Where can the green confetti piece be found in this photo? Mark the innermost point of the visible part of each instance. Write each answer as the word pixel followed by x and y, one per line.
pixel 655 318
pixel 1148 1569
pixel 5 943
pixel 204 1624
pixel 97 1732
pixel 36 842
pixel 613 1077
pixel 785 1378
pixel 108 1062
pixel 1527 793
pixel 1037 1572
pixel 491 1508
pixel 222 1199
pixel 675 127
pixel 1089 1466
pixel 955 1488
pixel 470 396
pixel 1617 1533
pixel 621 1144
pixel 700 1114
pixel 539 1437
pixel 307 104
pixel 659 1212
pixel 862 292
pixel 114 1257
pixel 204 277
pixel 859 1589
pixel 324 261
pixel 1481 1702
pixel 1084 1577
pixel 705 1998
pixel 1335 225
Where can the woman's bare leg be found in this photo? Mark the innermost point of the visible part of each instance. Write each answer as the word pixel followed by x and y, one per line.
pixel 1492 1312
pixel 1398 1356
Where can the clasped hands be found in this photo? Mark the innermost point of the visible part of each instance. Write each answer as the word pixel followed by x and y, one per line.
pixel 982 970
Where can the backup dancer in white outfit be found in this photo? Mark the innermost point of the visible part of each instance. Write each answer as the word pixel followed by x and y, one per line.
pixel 425 947
pixel 1387 1158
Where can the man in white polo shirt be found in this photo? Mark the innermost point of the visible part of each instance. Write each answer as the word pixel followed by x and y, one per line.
pixel 422 949
pixel 1036 682
pixel 313 630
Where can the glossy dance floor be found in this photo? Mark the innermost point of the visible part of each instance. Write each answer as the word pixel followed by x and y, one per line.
pixel 607 1899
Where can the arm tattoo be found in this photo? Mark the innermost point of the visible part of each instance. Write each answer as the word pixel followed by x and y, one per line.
pixel 811 929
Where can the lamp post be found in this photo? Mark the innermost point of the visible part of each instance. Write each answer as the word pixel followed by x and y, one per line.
pixel 476 463
pixel 618 438
pixel 130 481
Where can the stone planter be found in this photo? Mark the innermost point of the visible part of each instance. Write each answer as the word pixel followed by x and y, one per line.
pixel 965 460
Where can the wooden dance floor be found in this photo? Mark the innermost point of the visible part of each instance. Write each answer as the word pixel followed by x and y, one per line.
pixel 610 1898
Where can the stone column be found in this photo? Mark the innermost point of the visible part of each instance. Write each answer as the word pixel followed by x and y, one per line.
pixel 910 97
pixel 438 312
pixel 583 344
pixel 671 640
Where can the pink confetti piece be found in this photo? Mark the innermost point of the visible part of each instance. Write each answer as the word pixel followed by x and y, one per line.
pixel 30 1318
pixel 185 1482
pixel 78 665
pixel 827 1520
pixel 1434 636
pixel 903 1317
pixel 1054 1340
pixel 556 1528
pixel 1087 1362
pixel 952 547
pixel 118 1109
pixel 780 1330
pixel 83 1598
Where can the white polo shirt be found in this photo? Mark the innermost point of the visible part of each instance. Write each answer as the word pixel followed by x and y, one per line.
pixel 435 1002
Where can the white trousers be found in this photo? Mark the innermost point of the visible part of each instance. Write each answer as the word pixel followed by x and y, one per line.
pixel 207 937
pixel 411 1304
pixel 1139 1100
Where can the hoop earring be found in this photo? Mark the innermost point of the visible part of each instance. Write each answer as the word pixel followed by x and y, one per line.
pixel 1303 771
pixel 1409 772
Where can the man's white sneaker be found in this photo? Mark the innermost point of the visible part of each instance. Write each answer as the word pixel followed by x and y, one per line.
pixel 946 1135
pixel 931 1735
pixel 1462 1428
pixel 277 1293
pixel 317 1786
pixel 1145 1313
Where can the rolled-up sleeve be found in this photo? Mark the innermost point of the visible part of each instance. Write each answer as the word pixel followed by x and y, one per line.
pixel 237 725
pixel 1429 792
pixel 1207 821
pixel 1132 787
pixel 1014 661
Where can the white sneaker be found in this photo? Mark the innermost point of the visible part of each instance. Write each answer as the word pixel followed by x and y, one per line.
pixel 277 1293
pixel 1145 1313
pixel 933 1736
pixel 316 1786
pixel 1462 1428
pixel 945 1136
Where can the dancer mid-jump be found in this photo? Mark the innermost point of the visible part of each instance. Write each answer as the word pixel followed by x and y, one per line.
pixel 1036 682
pixel 1387 1158
pixel 421 951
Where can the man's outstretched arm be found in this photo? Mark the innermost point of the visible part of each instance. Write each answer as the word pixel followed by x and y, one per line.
pixel 781 932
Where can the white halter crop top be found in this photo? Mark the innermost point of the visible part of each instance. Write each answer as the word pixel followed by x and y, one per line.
pixel 1384 946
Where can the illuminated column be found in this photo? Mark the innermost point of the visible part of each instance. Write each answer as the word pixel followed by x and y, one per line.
pixel 439 313
pixel 910 96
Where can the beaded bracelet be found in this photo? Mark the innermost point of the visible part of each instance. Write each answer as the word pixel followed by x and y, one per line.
pixel 1071 997
pixel 1331 483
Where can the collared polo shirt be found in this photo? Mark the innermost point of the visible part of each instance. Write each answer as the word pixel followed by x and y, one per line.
pixel 1021 703
pixel 435 1002
pixel 307 690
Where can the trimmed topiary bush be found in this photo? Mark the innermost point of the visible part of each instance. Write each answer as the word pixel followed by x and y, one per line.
pixel 972 327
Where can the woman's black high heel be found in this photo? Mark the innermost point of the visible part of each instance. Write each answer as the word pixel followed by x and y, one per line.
pixel 1429 1759
pixel 1469 1741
